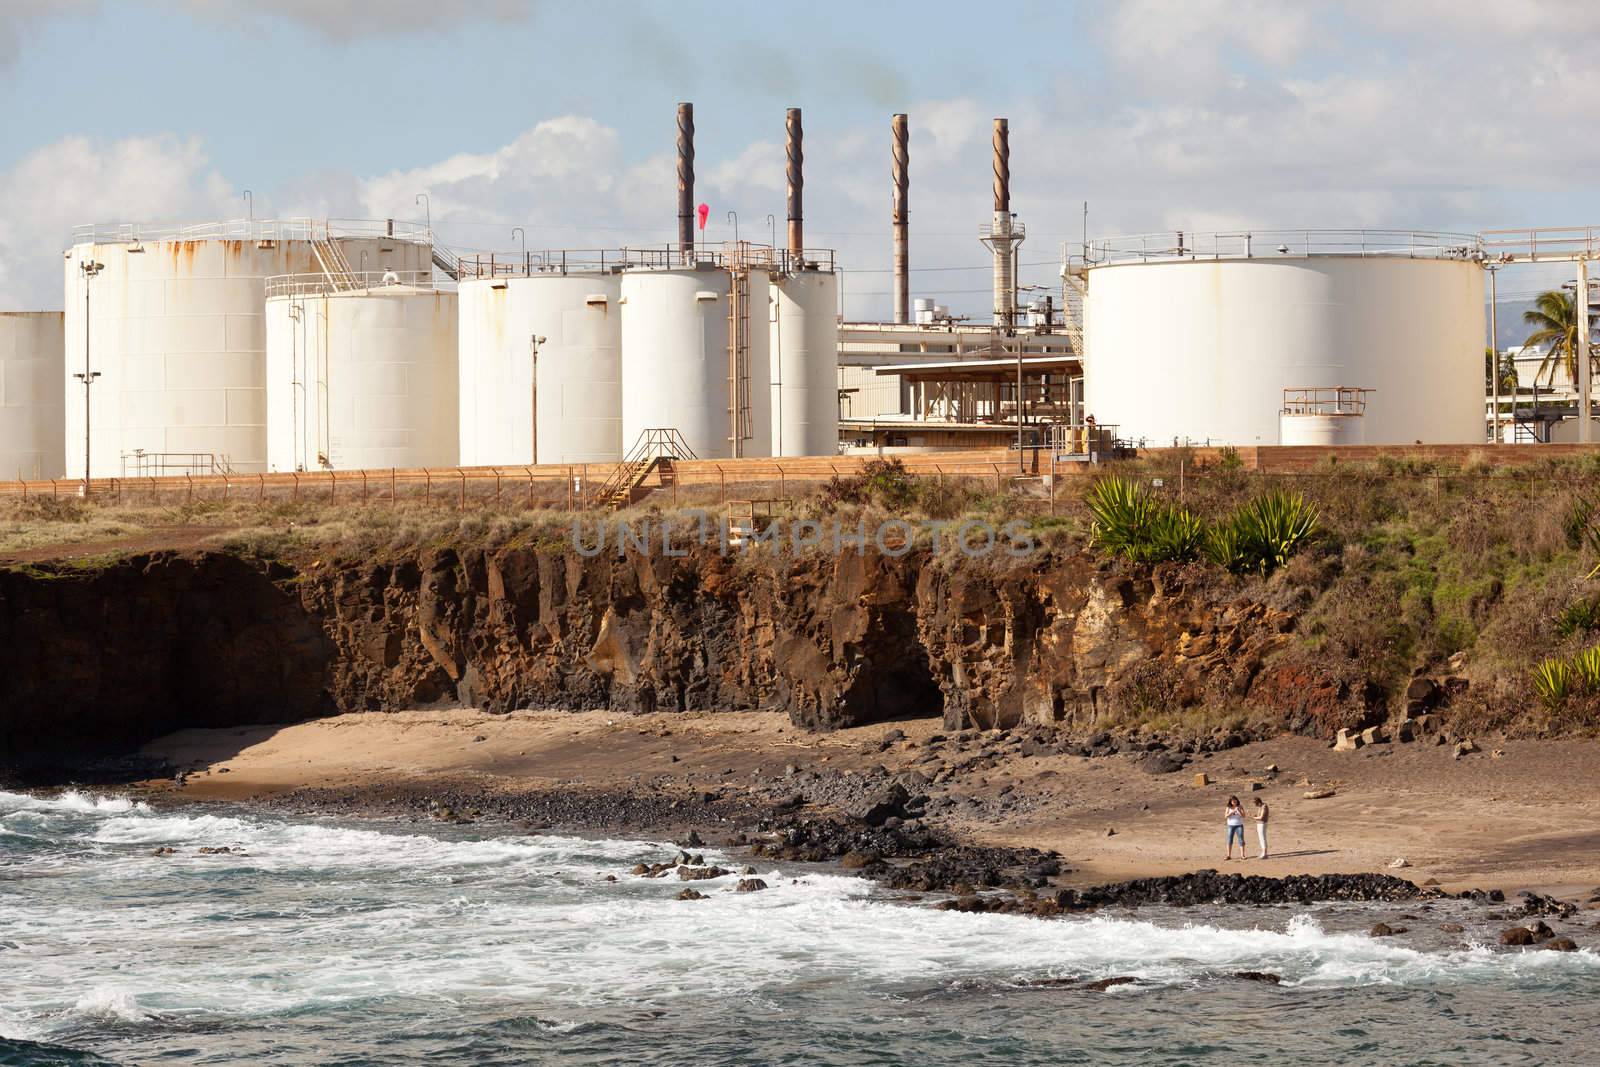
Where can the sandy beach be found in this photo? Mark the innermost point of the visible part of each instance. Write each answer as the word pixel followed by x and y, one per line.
pixel 1523 819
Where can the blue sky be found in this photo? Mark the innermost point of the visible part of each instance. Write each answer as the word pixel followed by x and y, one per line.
pixel 559 117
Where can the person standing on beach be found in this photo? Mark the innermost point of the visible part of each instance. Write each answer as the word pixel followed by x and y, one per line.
pixel 1262 812
pixel 1235 818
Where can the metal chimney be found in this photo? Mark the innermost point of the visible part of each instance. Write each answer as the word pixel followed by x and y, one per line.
pixel 686 181
pixel 1003 235
pixel 900 217
pixel 794 146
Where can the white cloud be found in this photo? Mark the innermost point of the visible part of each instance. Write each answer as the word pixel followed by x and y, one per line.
pixel 78 180
pixel 19 18
pixel 344 20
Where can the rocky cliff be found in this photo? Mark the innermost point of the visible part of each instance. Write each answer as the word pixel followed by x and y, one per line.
pixel 112 656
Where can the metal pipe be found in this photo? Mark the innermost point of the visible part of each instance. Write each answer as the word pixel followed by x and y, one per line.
pixel 686 181
pixel 1580 345
pixel 794 138
pixel 900 216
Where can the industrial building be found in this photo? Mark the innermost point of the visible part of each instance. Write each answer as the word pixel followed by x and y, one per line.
pixel 307 344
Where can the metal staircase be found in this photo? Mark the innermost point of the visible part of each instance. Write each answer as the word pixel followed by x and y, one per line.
pixel 1073 294
pixel 653 453
pixel 330 257
pixel 447 261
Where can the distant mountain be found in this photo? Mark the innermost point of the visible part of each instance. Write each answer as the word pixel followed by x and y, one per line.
pixel 1511 330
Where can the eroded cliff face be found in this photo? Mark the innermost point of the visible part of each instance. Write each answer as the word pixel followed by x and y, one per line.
pixel 118 655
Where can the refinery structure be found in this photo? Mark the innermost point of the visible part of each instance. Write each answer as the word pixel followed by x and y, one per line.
pixel 260 346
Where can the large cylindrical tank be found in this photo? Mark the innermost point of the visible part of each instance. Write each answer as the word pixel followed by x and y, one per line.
pixel 676 361
pixel 805 364
pixel 178 334
pixel 570 327
pixel 361 379
pixel 1201 350
pixel 32 421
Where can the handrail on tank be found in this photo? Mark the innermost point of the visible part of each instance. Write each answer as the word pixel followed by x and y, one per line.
pixel 520 264
pixel 1560 243
pixel 319 284
pixel 292 229
pixel 1325 400
pixel 1258 244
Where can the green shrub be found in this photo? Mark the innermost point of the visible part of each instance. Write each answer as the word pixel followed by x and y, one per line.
pixel 1576 523
pixel 1225 547
pixel 1553 682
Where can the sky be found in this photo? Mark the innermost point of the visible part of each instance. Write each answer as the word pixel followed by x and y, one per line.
pixel 558 117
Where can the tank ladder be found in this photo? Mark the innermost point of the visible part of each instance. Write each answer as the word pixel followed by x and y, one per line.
pixel 739 415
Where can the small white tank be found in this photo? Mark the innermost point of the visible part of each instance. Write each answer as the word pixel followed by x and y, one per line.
pixel 360 379
pixel 32 419
pixel 805 364
pixel 675 359
pixel 1315 429
pixel 569 325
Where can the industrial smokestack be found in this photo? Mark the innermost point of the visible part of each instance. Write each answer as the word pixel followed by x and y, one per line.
pixel 900 217
pixel 794 145
pixel 686 181
pixel 1002 166
pixel 1004 235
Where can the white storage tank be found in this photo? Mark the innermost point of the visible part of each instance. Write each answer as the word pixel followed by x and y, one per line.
pixel 805 364
pixel 178 333
pixel 1201 350
pixel 362 379
pixel 32 421
pixel 570 326
pixel 675 360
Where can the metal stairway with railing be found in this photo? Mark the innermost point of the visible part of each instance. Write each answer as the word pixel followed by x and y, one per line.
pixel 447 261
pixel 331 258
pixel 653 453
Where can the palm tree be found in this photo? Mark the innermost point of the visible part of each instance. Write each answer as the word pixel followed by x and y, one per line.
pixel 1556 326
pixel 1508 372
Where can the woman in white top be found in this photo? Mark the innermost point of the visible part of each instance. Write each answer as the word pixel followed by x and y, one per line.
pixel 1235 817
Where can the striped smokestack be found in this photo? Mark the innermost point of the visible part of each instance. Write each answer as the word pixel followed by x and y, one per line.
pixel 1002 165
pixel 795 147
pixel 900 217
pixel 686 181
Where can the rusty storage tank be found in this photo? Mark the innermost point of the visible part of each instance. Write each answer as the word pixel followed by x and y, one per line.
pixel 177 331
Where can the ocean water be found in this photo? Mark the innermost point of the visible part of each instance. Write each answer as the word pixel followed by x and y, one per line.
pixel 349 942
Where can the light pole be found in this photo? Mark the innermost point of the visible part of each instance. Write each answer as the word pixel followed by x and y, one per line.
pixel 427 208
pixel 733 217
pixel 520 235
pixel 249 205
pixel 1494 352
pixel 90 270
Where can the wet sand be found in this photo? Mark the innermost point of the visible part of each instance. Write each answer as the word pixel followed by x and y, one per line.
pixel 1527 819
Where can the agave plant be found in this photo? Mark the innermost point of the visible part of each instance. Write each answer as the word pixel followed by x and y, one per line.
pixel 1586 670
pixel 1273 527
pixel 1553 681
pixel 1173 534
pixel 1131 523
pixel 1226 548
